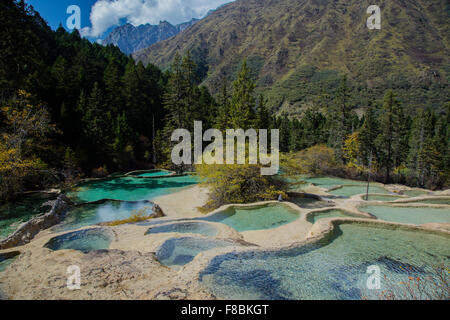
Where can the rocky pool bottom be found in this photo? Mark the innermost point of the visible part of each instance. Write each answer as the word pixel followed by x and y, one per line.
pixel 409 215
pixel 7 258
pixel 178 252
pixel 105 211
pixel 99 201
pixel 255 218
pixel 331 269
pixel 85 240
pixel 14 213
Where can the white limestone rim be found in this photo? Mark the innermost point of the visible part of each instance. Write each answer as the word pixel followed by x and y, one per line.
pixel 360 197
pixel 223 231
pixel 46 235
pixel 127 175
pixel 354 212
pixel 226 207
pixel 321 231
pixel 414 204
pixel 131 173
pixel 350 206
pixel 395 189
pixel 226 232
pixel 423 198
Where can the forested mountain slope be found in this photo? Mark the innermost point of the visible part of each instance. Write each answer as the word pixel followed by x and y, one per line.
pixel 298 49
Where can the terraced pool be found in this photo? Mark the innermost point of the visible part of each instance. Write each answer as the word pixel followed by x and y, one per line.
pixel 185 227
pixel 155 173
pixel 409 215
pixel 330 182
pixel 414 193
pixel 130 188
pixel 179 252
pixel 93 213
pixel 313 217
pixel 84 241
pixel 310 203
pixel 382 198
pixel 7 258
pixel 349 191
pixel 334 269
pixel 434 201
pixel 255 218
pixel 14 213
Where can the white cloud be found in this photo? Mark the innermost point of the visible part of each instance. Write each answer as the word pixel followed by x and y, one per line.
pixel 109 13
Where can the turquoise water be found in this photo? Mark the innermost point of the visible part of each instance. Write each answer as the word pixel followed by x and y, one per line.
pixel 179 252
pixel 434 201
pixel 12 214
pixel 130 189
pixel 414 193
pixel 336 269
pixel 255 218
pixel 310 203
pixel 7 258
pixel 409 215
pixel 382 198
pixel 315 216
pixel 155 222
pixel 349 191
pixel 91 214
pixel 186 227
pixel 156 173
pixel 329 182
pixel 84 241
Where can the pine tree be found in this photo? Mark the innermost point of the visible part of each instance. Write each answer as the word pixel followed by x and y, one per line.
pixel 391 129
pixel 133 97
pixel 295 138
pixel 314 131
pixel 262 114
pixel 423 157
pixel 97 125
pixel 182 96
pixel 122 149
pixel 112 83
pixel 285 133
pixel 341 122
pixel 208 108
pixel 441 145
pixel 242 111
pixel 223 120
pixel 368 135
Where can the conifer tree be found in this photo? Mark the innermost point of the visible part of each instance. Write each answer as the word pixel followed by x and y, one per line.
pixel 262 114
pixel 368 135
pixel 242 110
pixel 423 155
pixel 314 131
pixel 340 120
pixel 390 133
pixel 181 98
pixel 97 125
pixel 223 117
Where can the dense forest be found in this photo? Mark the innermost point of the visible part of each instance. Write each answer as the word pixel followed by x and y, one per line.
pixel 72 108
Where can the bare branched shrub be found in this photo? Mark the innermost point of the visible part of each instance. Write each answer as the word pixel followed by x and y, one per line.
pixel 434 286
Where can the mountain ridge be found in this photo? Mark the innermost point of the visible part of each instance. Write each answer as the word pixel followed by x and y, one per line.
pixel 131 38
pixel 299 49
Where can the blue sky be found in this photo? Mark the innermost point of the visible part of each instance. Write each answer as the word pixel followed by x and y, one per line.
pixel 55 11
pixel 98 17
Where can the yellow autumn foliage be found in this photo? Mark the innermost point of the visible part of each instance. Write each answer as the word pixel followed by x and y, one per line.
pixel 239 184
